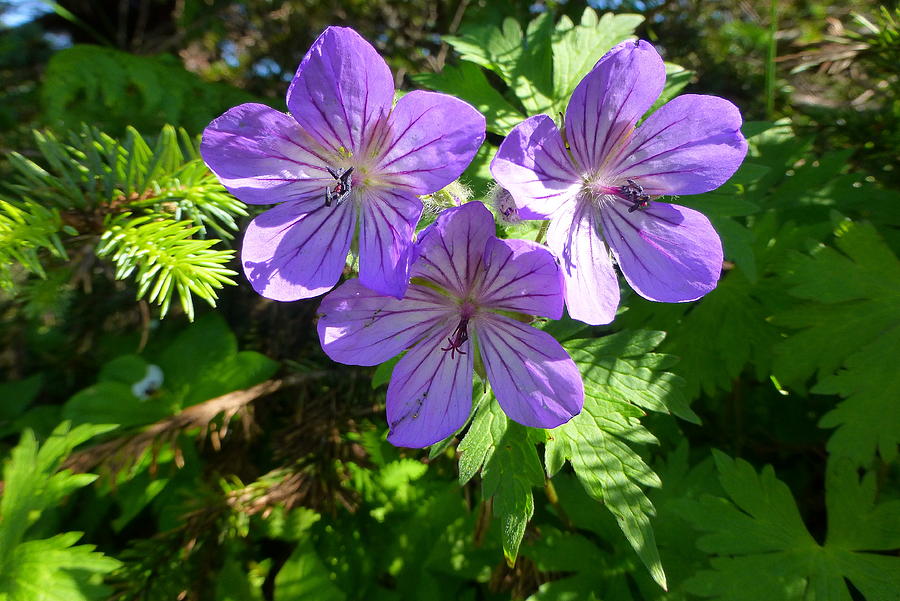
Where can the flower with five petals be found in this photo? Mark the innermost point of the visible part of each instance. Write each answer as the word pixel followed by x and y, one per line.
pixel 468 294
pixel 342 155
pixel 599 184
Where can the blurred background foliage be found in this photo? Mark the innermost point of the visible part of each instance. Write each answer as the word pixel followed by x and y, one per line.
pixel 237 463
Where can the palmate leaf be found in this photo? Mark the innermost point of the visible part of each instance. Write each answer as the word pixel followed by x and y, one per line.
pixel 47 569
pixel 758 530
pixel 541 65
pixel 522 59
pixel 622 378
pixel 718 337
pixel 577 47
pixel 853 291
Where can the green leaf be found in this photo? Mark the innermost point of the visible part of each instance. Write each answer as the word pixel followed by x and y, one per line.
pixel 53 569
pixel 111 88
pixel 621 378
pixel 203 362
pixel 677 77
pixel 577 48
pixel 304 576
pixel 235 583
pixel 717 337
pixel 757 530
pixel 384 371
pixel 113 403
pixel 17 395
pixel 522 59
pixel 468 82
pixel 853 294
pixel 47 569
pixel 509 466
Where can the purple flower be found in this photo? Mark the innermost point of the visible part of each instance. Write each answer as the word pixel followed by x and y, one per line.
pixel 467 294
pixel 342 155
pixel 599 185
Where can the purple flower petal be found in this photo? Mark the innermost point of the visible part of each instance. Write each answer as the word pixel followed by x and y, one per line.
pixel 592 288
pixel 693 144
pixel 262 156
pixel 533 165
pixel 520 275
pixel 387 222
pixel 449 251
pixel 432 139
pixel 608 102
pixel 430 394
pixel 534 379
pixel 358 326
pixel 667 253
pixel 341 90
pixel 294 251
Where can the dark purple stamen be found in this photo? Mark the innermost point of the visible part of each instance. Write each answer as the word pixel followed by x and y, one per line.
pixel 634 193
pixel 341 189
pixel 460 335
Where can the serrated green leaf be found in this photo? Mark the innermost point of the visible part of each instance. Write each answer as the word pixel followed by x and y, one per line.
pixel 467 81
pixel 477 447
pixel 508 477
pixel 758 530
pixel 620 378
pixel 46 569
pixel 576 48
pixel 522 59
pixel 509 466
pixel 53 569
pixel 855 294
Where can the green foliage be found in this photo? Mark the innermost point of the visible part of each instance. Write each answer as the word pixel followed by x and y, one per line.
pixel 790 361
pixel 304 576
pixel 23 232
pixel 541 66
pixel 758 530
pixel 112 89
pixel 852 294
pixel 164 258
pixel 200 363
pixel 622 378
pixel 150 209
pixel 509 467
pixel 46 569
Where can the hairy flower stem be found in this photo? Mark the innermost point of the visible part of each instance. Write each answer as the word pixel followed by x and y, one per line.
pixel 542 233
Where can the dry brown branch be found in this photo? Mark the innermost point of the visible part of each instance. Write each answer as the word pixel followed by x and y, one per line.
pixel 121 452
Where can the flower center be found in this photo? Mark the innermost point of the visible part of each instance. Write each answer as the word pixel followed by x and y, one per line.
pixel 343 186
pixel 458 338
pixel 461 334
pixel 634 193
pixel 602 193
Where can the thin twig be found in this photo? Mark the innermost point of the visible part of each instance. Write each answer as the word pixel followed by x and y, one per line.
pixel 196 416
